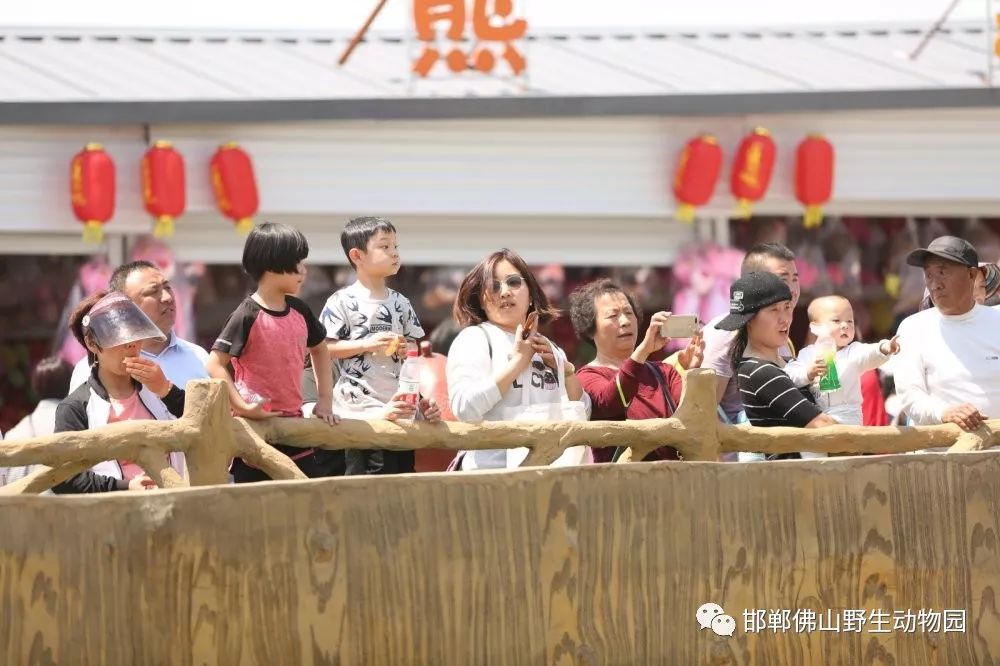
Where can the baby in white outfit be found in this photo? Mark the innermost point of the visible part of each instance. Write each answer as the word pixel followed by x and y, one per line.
pixel 852 359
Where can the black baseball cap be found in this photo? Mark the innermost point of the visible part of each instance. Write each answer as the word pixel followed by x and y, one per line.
pixel 749 295
pixel 950 248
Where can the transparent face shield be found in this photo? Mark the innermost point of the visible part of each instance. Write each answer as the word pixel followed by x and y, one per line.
pixel 115 320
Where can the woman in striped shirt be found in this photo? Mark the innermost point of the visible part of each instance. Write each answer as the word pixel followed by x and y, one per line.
pixel 760 311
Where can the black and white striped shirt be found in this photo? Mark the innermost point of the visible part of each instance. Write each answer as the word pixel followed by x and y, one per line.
pixel 770 398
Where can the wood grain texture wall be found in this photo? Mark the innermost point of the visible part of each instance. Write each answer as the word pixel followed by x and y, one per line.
pixel 597 565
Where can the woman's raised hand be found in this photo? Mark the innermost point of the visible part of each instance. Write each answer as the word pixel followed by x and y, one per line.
pixel 653 341
pixel 541 346
pixel 693 355
pixel 523 349
pixel 149 374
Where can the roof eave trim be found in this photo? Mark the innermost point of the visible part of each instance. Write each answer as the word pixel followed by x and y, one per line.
pixel 245 111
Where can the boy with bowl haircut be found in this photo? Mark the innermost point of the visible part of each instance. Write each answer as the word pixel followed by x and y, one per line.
pixel 368 326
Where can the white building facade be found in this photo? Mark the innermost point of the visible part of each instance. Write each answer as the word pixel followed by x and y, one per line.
pixel 575 167
pixel 582 191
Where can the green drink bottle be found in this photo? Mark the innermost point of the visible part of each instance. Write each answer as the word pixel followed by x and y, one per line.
pixel 830 381
pixel 826 349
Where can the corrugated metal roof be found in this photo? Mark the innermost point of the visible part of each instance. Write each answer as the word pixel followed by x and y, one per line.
pixel 143 66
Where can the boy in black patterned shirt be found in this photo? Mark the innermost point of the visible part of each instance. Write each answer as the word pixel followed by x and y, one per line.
pixel 368 326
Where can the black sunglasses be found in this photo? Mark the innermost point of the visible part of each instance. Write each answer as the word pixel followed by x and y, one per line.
pixel 513 282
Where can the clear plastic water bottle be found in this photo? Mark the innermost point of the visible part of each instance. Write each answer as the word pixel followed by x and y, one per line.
pixel 409 380
pixel 253 398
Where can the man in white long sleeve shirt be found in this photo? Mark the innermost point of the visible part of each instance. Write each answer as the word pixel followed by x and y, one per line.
pixel 948 370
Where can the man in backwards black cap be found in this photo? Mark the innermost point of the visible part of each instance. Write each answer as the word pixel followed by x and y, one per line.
pixel 949 367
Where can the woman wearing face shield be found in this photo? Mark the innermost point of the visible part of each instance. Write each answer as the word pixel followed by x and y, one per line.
pixel 122 386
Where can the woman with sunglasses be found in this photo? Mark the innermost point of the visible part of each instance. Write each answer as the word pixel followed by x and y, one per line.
pixel 494 366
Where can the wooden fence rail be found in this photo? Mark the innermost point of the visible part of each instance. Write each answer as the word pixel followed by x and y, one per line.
pixel 594 565
pixel 210 437
pixel 588 565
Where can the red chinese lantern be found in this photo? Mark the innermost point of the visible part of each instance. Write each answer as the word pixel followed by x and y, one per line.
pixel 752 169
pixel 235 186
pixel 813 177
pixel 92 190
pixel 163 186
pixel 696 175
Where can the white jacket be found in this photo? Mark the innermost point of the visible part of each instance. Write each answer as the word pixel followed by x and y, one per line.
pixel 87 408
pixel 475 355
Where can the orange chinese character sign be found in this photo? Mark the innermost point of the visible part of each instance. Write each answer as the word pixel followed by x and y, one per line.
pixel 493 30
pixel 491 26
pixel 428 13
pixel 996 29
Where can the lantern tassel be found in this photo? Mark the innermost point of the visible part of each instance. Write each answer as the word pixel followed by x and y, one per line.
pixel 93 231
pixel 164 227
pixel 893 284
pixel 684 213
pixel 244 225
pixel 744 207
pixel 813 216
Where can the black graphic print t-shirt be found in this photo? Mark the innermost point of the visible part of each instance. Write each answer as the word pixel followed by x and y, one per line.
pixel 367 381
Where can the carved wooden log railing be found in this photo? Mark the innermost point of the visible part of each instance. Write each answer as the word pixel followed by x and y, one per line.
pixel 209 437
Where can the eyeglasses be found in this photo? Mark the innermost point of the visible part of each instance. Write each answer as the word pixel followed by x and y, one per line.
pixel 513 282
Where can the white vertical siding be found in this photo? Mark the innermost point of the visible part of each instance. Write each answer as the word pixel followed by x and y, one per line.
pixel 34 176
pixel 553 183
pixel 462 241
pixel 943 162
pixel 534 167
pixel 887 162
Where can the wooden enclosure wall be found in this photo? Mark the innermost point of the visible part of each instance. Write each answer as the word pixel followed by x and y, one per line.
pixel 605 564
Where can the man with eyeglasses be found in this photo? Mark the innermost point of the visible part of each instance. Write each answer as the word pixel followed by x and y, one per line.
pixel 144 283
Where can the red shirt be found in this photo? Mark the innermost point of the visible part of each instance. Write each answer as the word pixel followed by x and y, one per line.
pixel 872 404
pixel 642 391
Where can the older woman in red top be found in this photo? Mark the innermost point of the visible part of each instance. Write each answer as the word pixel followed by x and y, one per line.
pixel 622 382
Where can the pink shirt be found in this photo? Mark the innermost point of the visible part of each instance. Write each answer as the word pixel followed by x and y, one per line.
pixel 268 350
pixel 129 409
